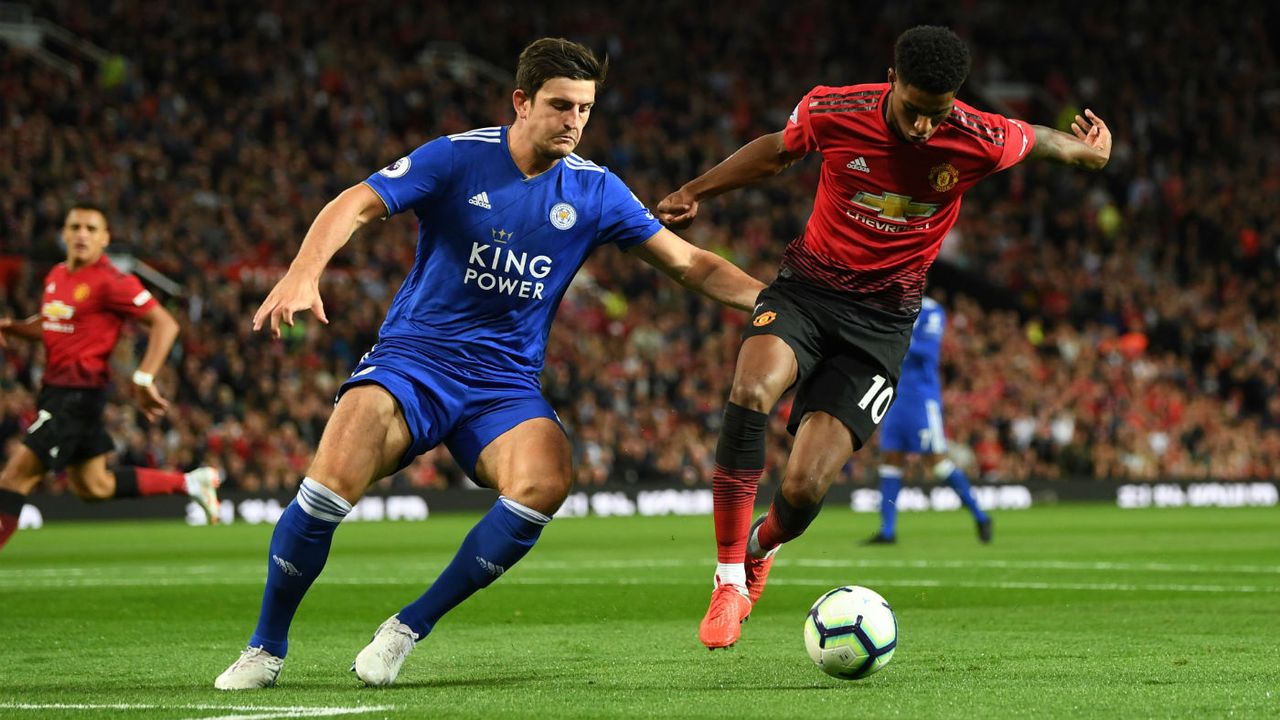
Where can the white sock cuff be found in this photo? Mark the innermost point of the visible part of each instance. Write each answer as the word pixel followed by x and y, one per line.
pixel 731 574
pixel 943 469
pixel 524 511
pixel 320 502
pixel 890 471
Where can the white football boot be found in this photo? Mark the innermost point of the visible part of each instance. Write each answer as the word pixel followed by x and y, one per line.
pixel 379 662
pixel 202 486
pixel 255 669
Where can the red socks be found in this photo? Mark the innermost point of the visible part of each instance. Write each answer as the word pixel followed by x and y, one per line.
pixel 734 492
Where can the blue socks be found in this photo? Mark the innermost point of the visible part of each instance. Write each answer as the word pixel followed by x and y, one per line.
pixel 890 486
pixel 299 549
pixel 503 536
pixel 957 481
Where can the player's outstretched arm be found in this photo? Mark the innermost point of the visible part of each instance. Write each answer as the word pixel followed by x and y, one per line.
pixel 761 158
pixel 299 289
pixel 699 270
pixel 1089 145
pixel 163 331
pixel 30 329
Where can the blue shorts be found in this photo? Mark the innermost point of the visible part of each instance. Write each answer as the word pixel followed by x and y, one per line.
pixel 914 425
pixel 464 408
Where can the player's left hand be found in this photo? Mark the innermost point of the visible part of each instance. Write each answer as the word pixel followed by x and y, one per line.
pixel 1093 132
pixel 150 402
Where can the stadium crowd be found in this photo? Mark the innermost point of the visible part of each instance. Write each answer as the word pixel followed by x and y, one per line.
pixel 1121 325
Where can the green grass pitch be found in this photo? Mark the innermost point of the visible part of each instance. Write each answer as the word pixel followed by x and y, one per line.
pixel 1075 611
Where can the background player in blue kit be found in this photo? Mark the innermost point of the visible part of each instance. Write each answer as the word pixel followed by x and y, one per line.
pixel 913 430
pixel 507 215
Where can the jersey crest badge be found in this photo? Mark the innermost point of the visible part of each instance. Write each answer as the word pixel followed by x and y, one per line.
pixel 944 177
pixel 764 318
pixel 563 216
pixel 81 292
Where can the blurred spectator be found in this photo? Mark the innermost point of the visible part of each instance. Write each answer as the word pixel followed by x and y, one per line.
pixel 1125 325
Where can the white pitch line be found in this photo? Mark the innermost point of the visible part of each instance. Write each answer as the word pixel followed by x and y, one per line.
pixel 243 712
pixel 1041 565
pixel 524 579
pixel 165 572
pixel 924 582
pixel 179 574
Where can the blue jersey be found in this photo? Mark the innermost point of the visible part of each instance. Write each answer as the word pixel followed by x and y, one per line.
pixel 920 366
pixel 497 250
pixel 914 421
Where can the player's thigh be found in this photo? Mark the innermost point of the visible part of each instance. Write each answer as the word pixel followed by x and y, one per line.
pixel 766 368
pixel 91 479
pixel 531 463
pixel 22 472
pixel 365 439
pixel 824 445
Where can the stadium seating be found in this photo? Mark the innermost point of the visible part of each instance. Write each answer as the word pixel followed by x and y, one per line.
pixel 1122 325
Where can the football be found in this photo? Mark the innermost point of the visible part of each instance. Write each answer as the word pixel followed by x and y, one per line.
pixel 851 632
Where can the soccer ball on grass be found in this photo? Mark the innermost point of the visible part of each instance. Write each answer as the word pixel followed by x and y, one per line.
pixel 851 632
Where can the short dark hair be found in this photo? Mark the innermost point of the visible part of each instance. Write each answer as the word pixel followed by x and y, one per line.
pixel 932 58
pixel 551 58
pixel 88 205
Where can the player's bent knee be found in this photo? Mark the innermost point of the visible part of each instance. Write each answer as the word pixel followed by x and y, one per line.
pixel 803 490
pixel 753 395
pixel 546 495
pixel 349 487
pixel 95 488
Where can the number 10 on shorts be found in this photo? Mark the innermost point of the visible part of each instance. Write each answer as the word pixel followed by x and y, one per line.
pixel 878 397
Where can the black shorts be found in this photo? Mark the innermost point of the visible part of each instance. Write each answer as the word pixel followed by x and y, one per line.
pixel 850 356
pixel 69 428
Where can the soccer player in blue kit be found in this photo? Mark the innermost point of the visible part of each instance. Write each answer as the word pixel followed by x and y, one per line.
pixel 913 428
pixel 507 215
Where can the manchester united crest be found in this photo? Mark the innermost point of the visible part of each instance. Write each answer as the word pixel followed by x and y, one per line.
pixel 764 318
pixel 944 177
pixel 81 292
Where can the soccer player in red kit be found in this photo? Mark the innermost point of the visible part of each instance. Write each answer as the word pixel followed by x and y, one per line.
pixel 896 159
pixel 86 301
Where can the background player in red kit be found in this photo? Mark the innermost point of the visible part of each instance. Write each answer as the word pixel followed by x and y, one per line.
pixel 86 300
pixel 896 159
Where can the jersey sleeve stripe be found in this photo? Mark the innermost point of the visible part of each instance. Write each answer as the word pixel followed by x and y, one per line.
pixel 861 93
pixel 842 101
pixel 976 134
pixel 493 131
pixel 824 111
pixel 573 162
pixel 489 135
pixel 994 134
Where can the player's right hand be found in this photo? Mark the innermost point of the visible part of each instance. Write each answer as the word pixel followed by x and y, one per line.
pixel 292 294
pixel 677 210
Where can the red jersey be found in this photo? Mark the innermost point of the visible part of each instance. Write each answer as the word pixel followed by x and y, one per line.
pixel 883 205
pixel 83 312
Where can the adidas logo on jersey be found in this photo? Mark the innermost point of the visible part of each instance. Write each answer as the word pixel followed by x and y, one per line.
pixel 481 200
pixel 860 164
